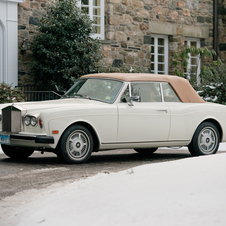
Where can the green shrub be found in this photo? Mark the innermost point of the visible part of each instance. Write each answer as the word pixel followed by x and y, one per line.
pixel 9 94
pixel 63 49
pixel 180 62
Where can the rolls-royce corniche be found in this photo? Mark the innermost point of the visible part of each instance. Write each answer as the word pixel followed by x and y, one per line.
pixel 110 111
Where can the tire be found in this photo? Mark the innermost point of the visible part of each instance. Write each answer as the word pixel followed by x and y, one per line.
pixel 76 145
pixel 145 151
pixel 17 152
pixel 205 140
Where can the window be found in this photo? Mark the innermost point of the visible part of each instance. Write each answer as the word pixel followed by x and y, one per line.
pixel 105 90
pixel 193 69
pixel 169 94
pixel 95 9
pixel 159 54
pixel 148 92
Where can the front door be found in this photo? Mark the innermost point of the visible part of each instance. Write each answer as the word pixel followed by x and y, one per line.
pixel 145 121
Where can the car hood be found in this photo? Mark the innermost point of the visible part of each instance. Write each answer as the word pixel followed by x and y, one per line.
pixel 51 104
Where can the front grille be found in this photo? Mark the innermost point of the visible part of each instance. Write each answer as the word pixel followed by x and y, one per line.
pixel 11 119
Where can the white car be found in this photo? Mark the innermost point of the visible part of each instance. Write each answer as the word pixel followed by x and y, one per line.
pixel 111 111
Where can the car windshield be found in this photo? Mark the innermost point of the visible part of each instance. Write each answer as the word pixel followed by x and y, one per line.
pixel 105 90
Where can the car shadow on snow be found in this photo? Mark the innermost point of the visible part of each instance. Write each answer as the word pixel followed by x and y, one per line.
pixel 102 157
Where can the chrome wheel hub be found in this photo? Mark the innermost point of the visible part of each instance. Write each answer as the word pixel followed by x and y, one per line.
pixel 207 140
pixel 77 144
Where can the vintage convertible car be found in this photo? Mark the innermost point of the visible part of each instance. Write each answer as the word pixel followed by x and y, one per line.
pixel 110 111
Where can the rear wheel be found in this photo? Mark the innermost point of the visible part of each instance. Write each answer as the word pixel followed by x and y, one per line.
pixel 205 141
pixel 145 151
pixel 76 145
pixel 17 152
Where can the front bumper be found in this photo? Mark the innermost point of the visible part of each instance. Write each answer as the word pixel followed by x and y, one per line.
pixel 39 139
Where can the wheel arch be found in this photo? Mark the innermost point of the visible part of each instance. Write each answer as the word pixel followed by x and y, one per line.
pixel 217 124
pixel 96 141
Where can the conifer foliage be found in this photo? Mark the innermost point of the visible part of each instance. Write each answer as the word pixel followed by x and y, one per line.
pixel 63 49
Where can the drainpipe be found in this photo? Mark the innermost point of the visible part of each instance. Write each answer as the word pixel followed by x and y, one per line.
pixel 215 19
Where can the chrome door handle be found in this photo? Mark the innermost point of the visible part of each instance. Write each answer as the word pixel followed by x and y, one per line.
pixel 165 110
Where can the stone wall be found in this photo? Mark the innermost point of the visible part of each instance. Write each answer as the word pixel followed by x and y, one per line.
pixel 128 26
pixel 29 14
pixel 222 29
pixel 130 22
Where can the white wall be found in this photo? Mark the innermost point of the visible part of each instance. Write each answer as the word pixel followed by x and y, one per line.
pixel 9 41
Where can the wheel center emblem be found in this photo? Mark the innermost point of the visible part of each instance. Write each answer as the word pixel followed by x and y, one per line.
pixel 207 140
pixel 78 145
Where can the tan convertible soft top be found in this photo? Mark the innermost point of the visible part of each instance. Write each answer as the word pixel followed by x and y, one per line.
pixel 181 86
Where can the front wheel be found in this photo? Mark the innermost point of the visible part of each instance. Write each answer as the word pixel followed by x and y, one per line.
pixel 205 140
pixel 76 145
pixel 145 151
pixel 16 152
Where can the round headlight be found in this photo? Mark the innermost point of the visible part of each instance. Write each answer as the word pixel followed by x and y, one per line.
pixel 33 121
pixel 27 121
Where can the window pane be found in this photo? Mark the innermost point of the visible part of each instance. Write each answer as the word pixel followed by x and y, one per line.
pixel 152 41
pixel 96 2
pixel 148 92
pixel 152 58
pixel 97 29
pixel 85 10
pixel 96 20
pixel 161 67
pixel 161 50
pixel 153 66
pixel 169 94
pixel 194 44
pixel 100 89
pixel 96 12
pixel 161 41
pixel 193 69
pixel 194 61
pixel 161 59
pixel 152 49
pixel 85 2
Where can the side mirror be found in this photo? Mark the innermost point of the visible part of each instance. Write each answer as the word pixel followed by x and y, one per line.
pixel 133 98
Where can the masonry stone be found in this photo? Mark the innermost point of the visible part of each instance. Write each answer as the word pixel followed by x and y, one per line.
pixel 33 20
pixel 129 25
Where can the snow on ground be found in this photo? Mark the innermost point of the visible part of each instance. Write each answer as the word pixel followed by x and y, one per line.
pixel 178 193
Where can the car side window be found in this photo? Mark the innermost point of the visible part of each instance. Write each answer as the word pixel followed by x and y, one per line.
pixel 169 94
pixel 148 91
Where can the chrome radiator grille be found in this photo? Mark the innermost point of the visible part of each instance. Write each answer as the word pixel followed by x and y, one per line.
pixel 11 119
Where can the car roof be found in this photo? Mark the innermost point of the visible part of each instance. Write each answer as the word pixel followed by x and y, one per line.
pixel 181 86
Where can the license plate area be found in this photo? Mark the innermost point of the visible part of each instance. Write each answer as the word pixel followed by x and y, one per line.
pixel 4 139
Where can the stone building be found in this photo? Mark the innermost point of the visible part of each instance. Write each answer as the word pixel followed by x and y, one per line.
pixel 135 32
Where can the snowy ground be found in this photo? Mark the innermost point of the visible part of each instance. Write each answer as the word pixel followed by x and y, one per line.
pixel 184 192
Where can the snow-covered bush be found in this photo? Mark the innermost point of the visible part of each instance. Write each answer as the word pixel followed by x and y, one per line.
pixel 8 94
pixel 213 83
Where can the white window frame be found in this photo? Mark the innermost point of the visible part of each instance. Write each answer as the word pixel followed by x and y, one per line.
pixel 198 60
pixel 156 54
pixel 91 7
